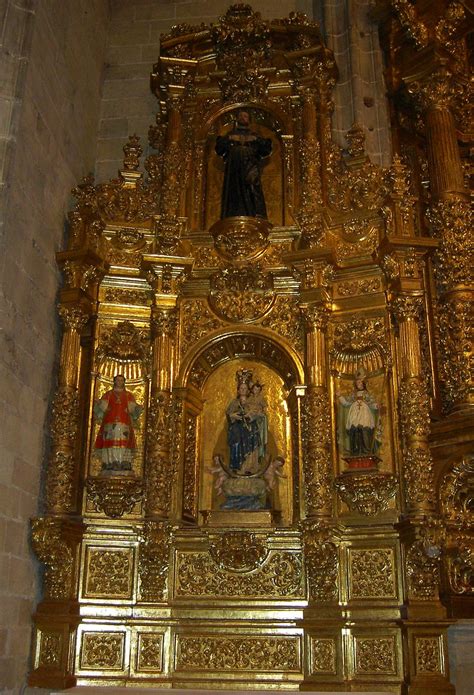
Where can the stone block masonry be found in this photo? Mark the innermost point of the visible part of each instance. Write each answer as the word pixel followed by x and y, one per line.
pixel 51 63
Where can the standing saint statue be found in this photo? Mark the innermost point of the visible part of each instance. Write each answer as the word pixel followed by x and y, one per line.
pixel 117 411
pixel 242 151
pixel 359 420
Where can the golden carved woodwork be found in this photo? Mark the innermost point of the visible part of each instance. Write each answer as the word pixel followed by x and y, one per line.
pixel 359 270
pixel 114 496
pixel 238 654
pixel 367 494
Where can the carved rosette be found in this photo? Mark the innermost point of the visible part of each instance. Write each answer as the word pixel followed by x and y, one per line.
pixel 321 562
pixel 55 551
pixel 114 495
pixel 153 561
pixel 317 462
pixel 368 494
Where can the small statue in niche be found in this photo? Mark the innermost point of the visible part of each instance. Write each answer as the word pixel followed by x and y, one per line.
pixel 243 151
pixel 115 444
pixel 359 422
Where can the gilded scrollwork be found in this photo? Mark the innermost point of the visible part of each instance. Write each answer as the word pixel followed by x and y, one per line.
pixel 150 652
pixel 423 570
pixel 241 294
pixel 197 322
pixel 375 655
pixel 284 319
pixel 367 494
pixel 316 437
pixel 50 649
pixel 241 41
pixel 354 287
pixel 115 495
pixel 153 561
pixel 323 656
pixel 238 551
pixel 102 650
pixel 50 547
pixel 457 492
pixel 372 573
pixel 455 329
pixel 60 488
pixel 108 573
pixel 124 341
pixel 408 17
pixel 159 468
pixel 191 455
pixel 428 655
pixel 198 576
pixel 238 653
pixel 321 562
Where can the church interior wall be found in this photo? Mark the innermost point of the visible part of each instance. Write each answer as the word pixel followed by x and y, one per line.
pixel 51 69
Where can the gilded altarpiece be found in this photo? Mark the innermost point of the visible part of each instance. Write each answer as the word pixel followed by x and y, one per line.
pixel 260 509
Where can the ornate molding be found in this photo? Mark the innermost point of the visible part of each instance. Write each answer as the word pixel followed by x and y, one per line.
pixel 238 551
pixel 114 495
pixel 367 494
pixel 51 547
pixel 153 561
pixel 280 576
pixel 321 562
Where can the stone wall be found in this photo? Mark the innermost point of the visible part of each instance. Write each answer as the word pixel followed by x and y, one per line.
pixel 51 65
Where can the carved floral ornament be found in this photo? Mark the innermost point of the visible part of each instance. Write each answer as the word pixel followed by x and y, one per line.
pixel 367 494
pixel 116 495
pixel 242 293
pixel 238 551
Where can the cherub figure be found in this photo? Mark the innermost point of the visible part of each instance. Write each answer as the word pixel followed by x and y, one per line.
pixel 219 472
pixel 273 472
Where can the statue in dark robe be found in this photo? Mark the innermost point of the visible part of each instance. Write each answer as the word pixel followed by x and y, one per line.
pixel 242 151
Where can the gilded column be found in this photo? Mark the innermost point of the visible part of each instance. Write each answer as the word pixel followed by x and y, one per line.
pixel 83 269
pixel 317 462
pixel 413 406
pixel 312 266
pixel 451 218
pixel 159 475
pixel 61 488
pixel 165 274
pixel 310 164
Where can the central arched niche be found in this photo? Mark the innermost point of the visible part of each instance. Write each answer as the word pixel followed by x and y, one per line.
pixel 218 392
pixel 207 383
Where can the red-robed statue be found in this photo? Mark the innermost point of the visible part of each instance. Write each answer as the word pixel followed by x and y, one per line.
pixel 117 411
pixel 242 151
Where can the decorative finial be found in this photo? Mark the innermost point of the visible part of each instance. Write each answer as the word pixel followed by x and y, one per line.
pixel 132 151
pixel 356 141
